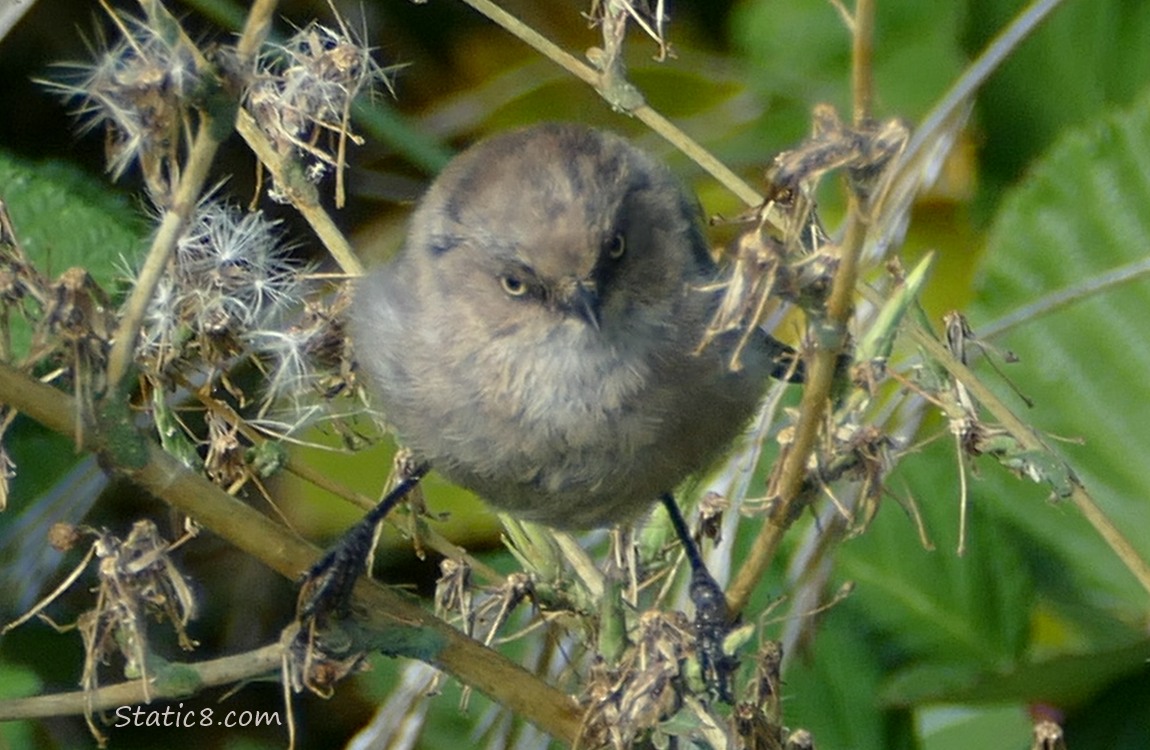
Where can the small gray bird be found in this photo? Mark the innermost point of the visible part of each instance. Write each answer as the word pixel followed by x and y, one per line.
pixel 536 340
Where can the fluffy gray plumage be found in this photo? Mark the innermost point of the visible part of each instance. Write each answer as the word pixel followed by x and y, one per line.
pixel 535 339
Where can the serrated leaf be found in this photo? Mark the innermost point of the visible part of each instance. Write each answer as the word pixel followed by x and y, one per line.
pixel 66 218
pixel 1083 210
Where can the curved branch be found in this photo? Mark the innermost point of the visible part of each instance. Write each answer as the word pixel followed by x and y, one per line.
pixel 442 646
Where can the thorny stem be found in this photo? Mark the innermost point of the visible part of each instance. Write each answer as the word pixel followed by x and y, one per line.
pixel 176 217
pixel 829 344
pixel 644 113
pixel 259 536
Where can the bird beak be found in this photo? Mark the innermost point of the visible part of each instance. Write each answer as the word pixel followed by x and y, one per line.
pixel 582 299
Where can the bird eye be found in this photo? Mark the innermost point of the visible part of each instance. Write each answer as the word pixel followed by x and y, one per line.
pixel 616 246
pixel 513 285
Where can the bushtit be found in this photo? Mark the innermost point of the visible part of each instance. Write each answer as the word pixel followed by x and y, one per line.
pixel 537 339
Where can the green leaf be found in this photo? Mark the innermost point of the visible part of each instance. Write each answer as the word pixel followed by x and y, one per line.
pixel 65 218
pixel 1062 681
pixel 1083 60
pixel 938 607
pixel 17 681
pixel 1083 210
pixel 834 692
pixel 955 728
pixel 800 53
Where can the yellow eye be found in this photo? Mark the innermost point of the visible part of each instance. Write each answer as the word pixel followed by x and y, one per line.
pixel 616 246
pixel 513 285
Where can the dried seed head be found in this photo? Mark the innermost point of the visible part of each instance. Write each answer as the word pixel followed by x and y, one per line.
pixel 138 90
pixel 233 292
pixel 301 94
pixel 231 278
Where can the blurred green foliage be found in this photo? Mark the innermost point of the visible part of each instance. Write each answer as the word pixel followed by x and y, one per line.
pixel 931 650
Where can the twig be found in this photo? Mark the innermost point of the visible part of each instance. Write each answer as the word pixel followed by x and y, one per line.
pixel 176 217
pixel 438 644
pixel 300 191
pixel 814 395
pixel 224 671
pixel 1085 289
pixel 434 539
pixel 256 28
pixel 303 195
pixel 1030 441
pixel 11 13
pixel 976 74
pixel 643 112
pixel 831 337
pixel 862 61
pixel 174 221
